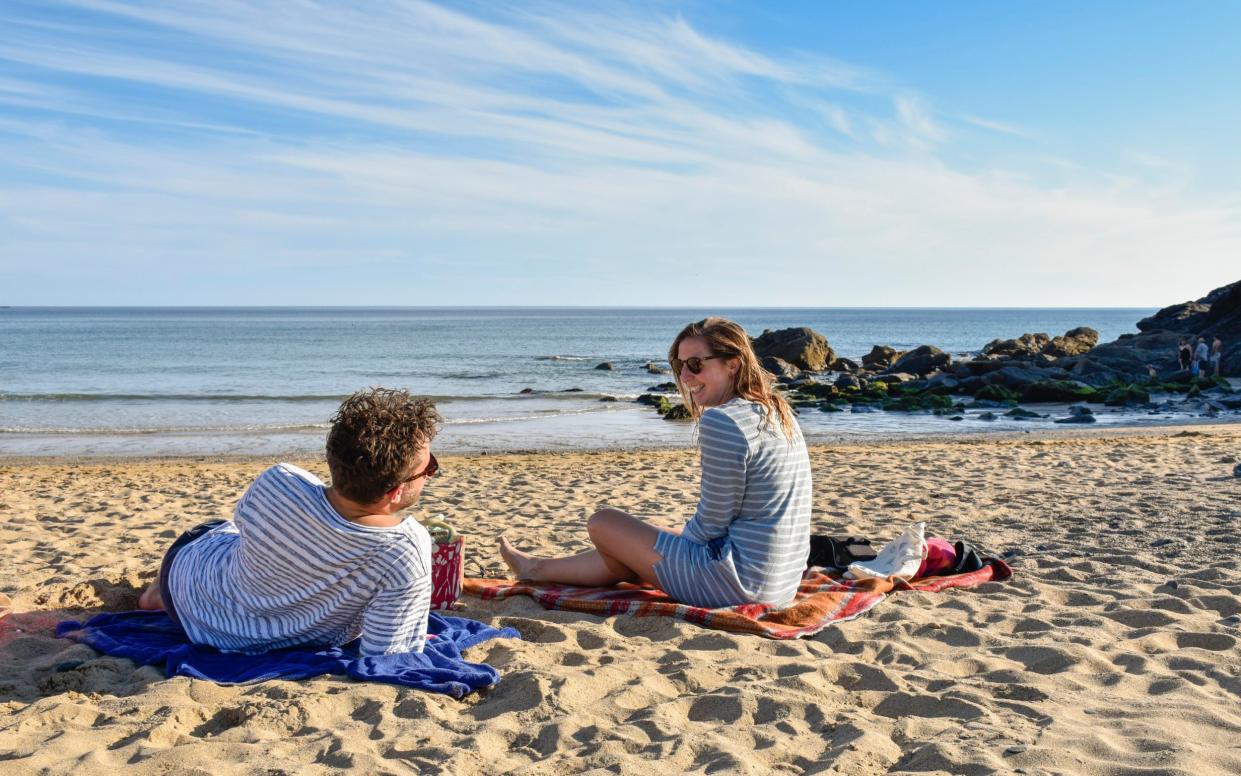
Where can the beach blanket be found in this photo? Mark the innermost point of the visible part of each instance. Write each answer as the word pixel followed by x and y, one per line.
pixel 821 600
pixel 152 638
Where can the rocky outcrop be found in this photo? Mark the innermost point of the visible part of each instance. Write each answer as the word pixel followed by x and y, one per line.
pixel 1218 314
pixel 921 361
pixel 782 369
pixel 1072 343
pixel 1025 345
pixel 880 357
pixel 804 348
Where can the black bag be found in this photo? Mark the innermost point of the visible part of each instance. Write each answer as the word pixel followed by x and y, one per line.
pixel 836 553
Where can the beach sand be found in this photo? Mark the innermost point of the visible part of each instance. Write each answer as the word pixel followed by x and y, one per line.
pixel 1113 650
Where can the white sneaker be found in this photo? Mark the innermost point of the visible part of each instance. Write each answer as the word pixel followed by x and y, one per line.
pixel 899 558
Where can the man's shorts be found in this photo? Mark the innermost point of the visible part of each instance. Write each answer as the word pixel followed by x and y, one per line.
pixel 197 532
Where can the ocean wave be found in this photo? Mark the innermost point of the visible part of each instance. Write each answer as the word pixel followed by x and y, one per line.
pixel 562 358
pixel 562 394
pixel 246 429
pixel 103 397
pixel 535 416
pixel 472 375
pixel 142 430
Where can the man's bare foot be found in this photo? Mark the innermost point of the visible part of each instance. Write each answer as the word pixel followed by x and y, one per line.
pixel 523 565
pixel 151 598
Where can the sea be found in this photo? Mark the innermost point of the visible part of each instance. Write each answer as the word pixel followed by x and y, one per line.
pixel 143 381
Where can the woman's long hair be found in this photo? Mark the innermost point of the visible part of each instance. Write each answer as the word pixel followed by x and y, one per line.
pixel 751 381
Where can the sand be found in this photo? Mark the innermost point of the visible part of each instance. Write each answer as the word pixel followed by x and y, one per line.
pixel 1114 649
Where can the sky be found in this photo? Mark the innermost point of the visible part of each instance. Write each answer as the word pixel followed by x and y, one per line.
pixel 824 154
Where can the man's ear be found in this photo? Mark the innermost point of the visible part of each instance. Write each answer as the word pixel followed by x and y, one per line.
pixel 395 494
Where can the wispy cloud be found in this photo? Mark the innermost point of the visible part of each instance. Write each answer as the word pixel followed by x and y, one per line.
pixel 572 145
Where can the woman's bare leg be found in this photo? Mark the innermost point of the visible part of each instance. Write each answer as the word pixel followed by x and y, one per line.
pixel 624 552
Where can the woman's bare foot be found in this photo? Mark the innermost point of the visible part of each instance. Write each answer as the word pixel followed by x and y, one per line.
pixel 151 598
pixel 522 564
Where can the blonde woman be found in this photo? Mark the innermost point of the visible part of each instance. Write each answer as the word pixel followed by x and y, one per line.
pixel 750 536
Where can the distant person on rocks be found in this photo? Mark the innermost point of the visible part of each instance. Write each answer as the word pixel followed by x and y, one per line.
pixel 302 563
pixel 1201 354
pixel 1184 353
pixel 749 538
pixel 1217 354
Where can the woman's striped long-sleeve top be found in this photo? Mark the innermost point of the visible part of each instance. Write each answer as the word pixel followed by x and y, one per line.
pixel 750 536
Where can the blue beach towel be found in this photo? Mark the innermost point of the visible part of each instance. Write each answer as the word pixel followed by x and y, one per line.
pixel 151 638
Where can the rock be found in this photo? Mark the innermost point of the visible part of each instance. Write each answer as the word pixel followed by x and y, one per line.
pixel 861 408
pixel 847 381
pixel 881 357
pixel 1236 470
pixel 1127 395
pixel 1025 345
pixel 919 402
pixel 1077 419
pixel 804 348
pixel 606 366
pixel 971 385
pixel 821 390
pixel 943 383
pixel 997 393
pixel 845 365
pixel 983 366
pixel 922 360
pixel 526 390
pixel 896 377
pixel 992 405
pixel 1056 391
pixel 652 400
pixel 1040 347
pixel 1183 317
pixel 657 369
pixel 1075 342
pixel 607 398
pixel 1216 314
pixel 780 368
pixel 1017 413
pixel 828 406
pixel 1080 409
pixel 1015 377
pixel 987 416
pixel 677 412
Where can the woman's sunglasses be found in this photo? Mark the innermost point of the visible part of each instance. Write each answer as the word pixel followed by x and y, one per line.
pixel 693 364
pixel 433 468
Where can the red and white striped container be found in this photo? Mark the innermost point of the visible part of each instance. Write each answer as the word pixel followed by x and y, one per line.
pixel 447 571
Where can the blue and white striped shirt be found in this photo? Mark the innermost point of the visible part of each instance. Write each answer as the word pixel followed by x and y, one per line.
pixel 754 510
pixel 290 570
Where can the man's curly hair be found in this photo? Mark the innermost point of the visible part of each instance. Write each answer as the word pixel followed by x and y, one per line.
pixel 375 436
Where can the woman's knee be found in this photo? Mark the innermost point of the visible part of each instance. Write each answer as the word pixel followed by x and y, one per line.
pixel 605 522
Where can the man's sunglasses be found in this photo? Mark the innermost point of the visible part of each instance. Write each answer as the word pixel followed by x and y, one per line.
pixel 693 363
pixel 433 468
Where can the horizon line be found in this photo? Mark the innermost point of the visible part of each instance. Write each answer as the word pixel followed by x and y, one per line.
pixel 569 307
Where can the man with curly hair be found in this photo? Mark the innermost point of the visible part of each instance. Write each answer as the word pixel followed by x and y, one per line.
pixel 303 563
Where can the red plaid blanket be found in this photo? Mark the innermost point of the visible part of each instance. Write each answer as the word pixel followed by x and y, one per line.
pixel 821 600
